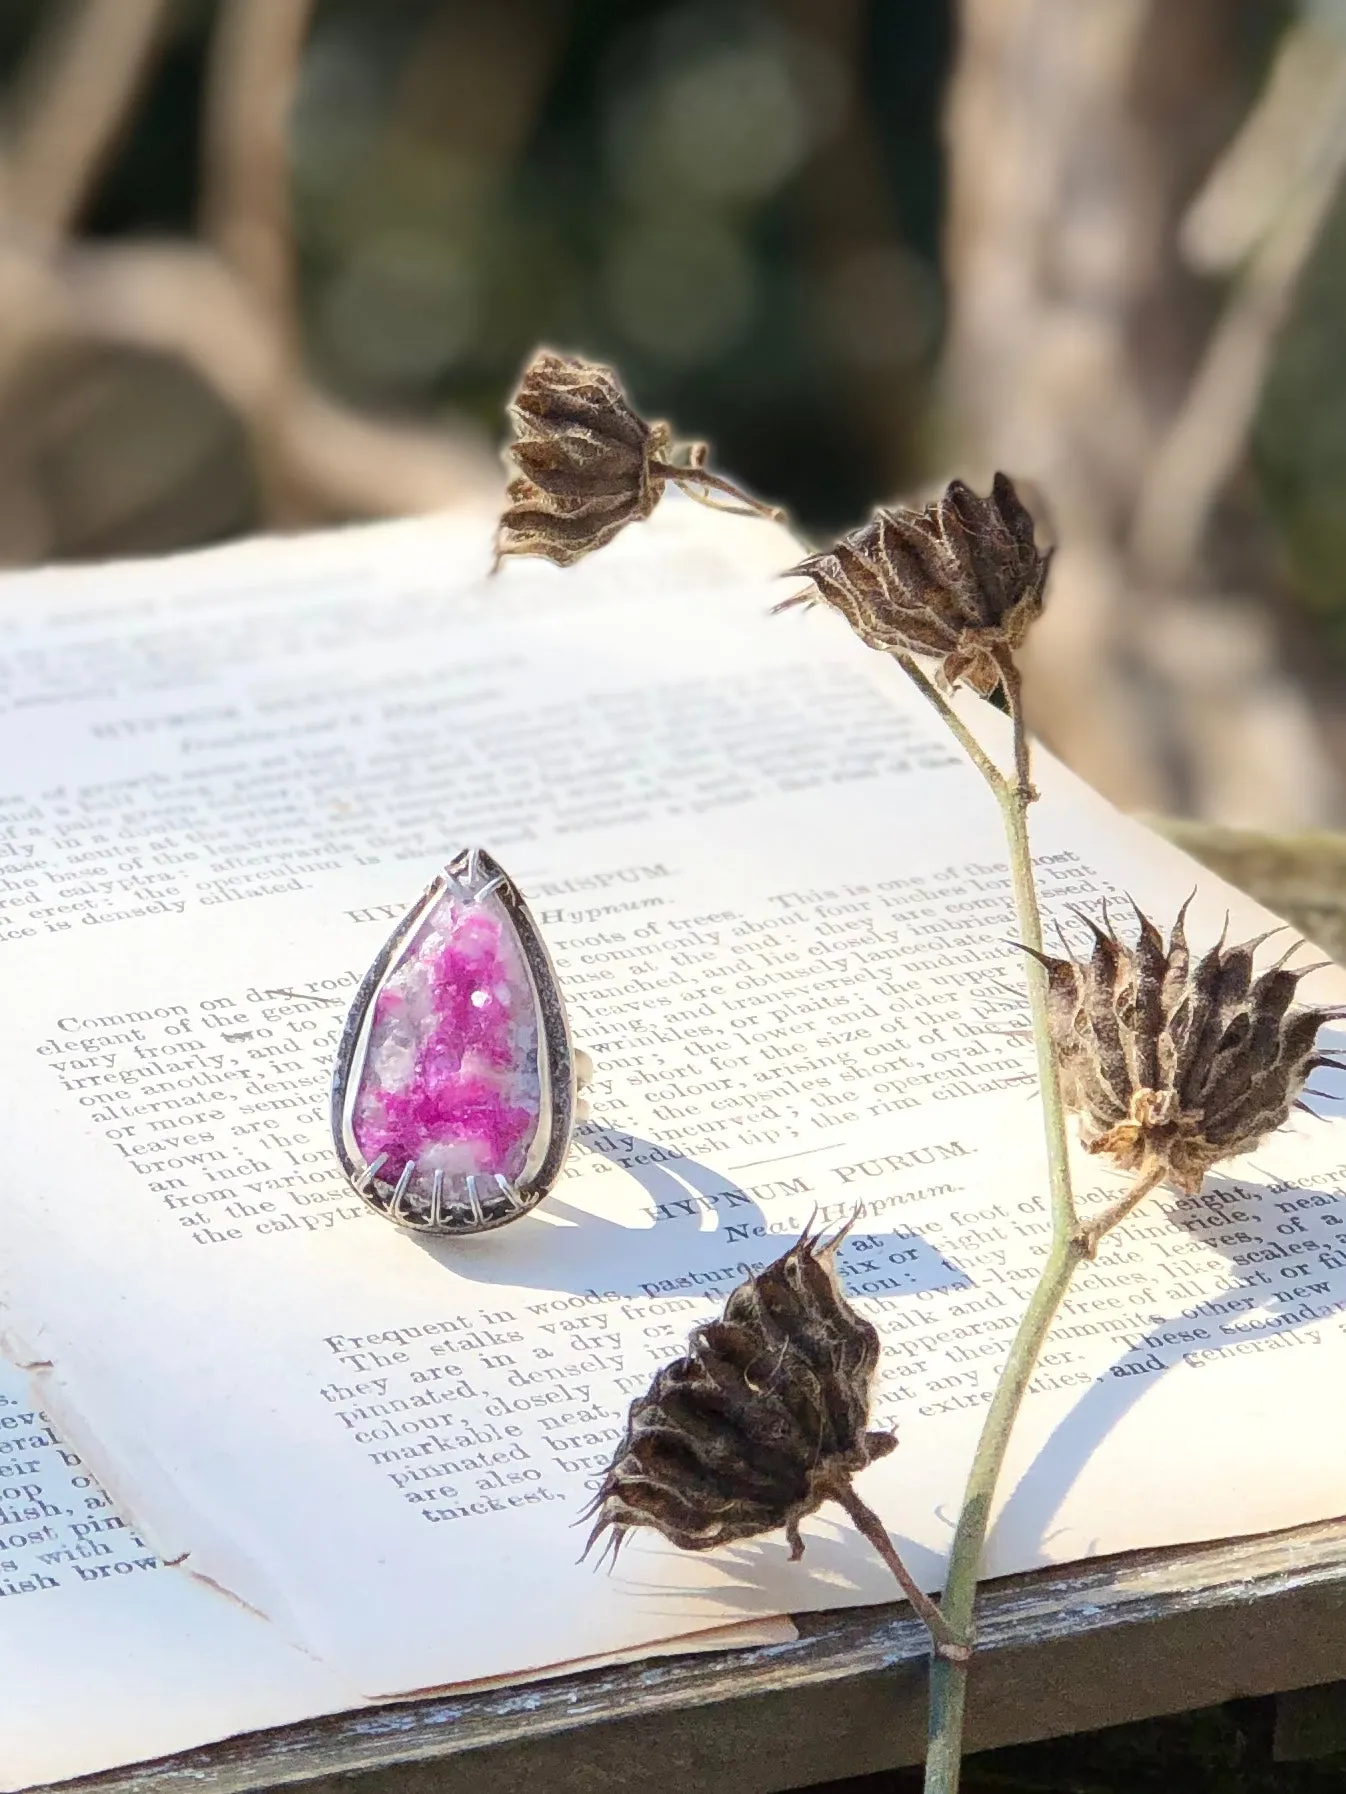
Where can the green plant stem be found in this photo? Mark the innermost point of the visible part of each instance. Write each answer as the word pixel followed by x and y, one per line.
pixel 948 1675
pixel 948 1679
pixel 1070 1244
pixel 1013 796
pixel 1014 801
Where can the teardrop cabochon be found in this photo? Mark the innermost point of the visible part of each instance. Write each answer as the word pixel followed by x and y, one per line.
pixel 453 1096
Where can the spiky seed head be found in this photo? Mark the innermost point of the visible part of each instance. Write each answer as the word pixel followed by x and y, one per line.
pixel 1173 1062
pixel 760 1422
pixel 586 464
pixel 961 580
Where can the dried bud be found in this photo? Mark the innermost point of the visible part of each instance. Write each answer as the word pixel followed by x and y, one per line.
pixel 588 464
pixel 760 1423
pixel 1175 1066
pixel 962 579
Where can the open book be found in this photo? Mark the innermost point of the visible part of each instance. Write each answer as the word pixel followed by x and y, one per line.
pixel 344 1461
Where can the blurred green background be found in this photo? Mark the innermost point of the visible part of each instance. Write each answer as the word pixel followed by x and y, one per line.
pixel 632 179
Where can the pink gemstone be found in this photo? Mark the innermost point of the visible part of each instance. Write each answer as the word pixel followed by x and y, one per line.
pixel 450 1078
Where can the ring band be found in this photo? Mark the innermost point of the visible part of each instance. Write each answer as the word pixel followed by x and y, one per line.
pixel 456 1086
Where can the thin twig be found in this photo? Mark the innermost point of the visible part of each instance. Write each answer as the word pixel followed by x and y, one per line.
pixel 1012 683
pixel 696 475
pixel 974 750
pixel 946 1642
pixel 1207 437
pixel 1148 1178
pixel 81 81
pixel 246 213
pixel 179 300
pixel 254 70
pixel 948 1677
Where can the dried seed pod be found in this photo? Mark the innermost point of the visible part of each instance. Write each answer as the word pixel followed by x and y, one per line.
pixel 762 1421
pixel 1175 1065
pixel 587 464
pixel 962 580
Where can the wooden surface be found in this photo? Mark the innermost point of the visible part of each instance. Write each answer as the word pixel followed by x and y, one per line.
pixel 1061 1650
pixel 1301 877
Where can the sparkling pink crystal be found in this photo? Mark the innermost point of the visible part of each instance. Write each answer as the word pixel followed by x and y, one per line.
pixel 450 1079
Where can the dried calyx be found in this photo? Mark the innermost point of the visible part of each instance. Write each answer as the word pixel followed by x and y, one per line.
pixel 962 580
pixel 587 464
pixel 762 1421
pixel 1175 1065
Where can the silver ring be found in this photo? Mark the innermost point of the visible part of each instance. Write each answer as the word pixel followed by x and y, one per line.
pixel 457 1086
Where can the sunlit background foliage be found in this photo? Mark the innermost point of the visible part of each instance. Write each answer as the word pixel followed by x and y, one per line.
pixel 738 205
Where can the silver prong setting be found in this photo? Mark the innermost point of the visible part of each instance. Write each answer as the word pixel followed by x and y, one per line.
pixel 474 1200
pixel 397 1206
pixel 370 1172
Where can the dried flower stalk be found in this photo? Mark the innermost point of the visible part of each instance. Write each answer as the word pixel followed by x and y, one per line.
pixel 964 580
pixel 587 464
pixel 763 1419
pixel 1172 1067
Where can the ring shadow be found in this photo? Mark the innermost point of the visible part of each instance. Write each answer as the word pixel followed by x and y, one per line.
pixel 1039 1493
pixel 660 1243
pixel 760 1580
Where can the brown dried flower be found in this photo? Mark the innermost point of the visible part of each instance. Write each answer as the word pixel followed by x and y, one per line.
pixel 1174 1066
pixel 588 464
pixel 761 1422
pixel 961 579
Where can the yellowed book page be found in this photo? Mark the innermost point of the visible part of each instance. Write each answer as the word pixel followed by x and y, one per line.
pixel 107 1654
pixel 158 1661
pixel 777 899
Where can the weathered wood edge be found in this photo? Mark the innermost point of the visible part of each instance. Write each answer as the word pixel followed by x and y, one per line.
pixel 1024 1614
pixel 1301 877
